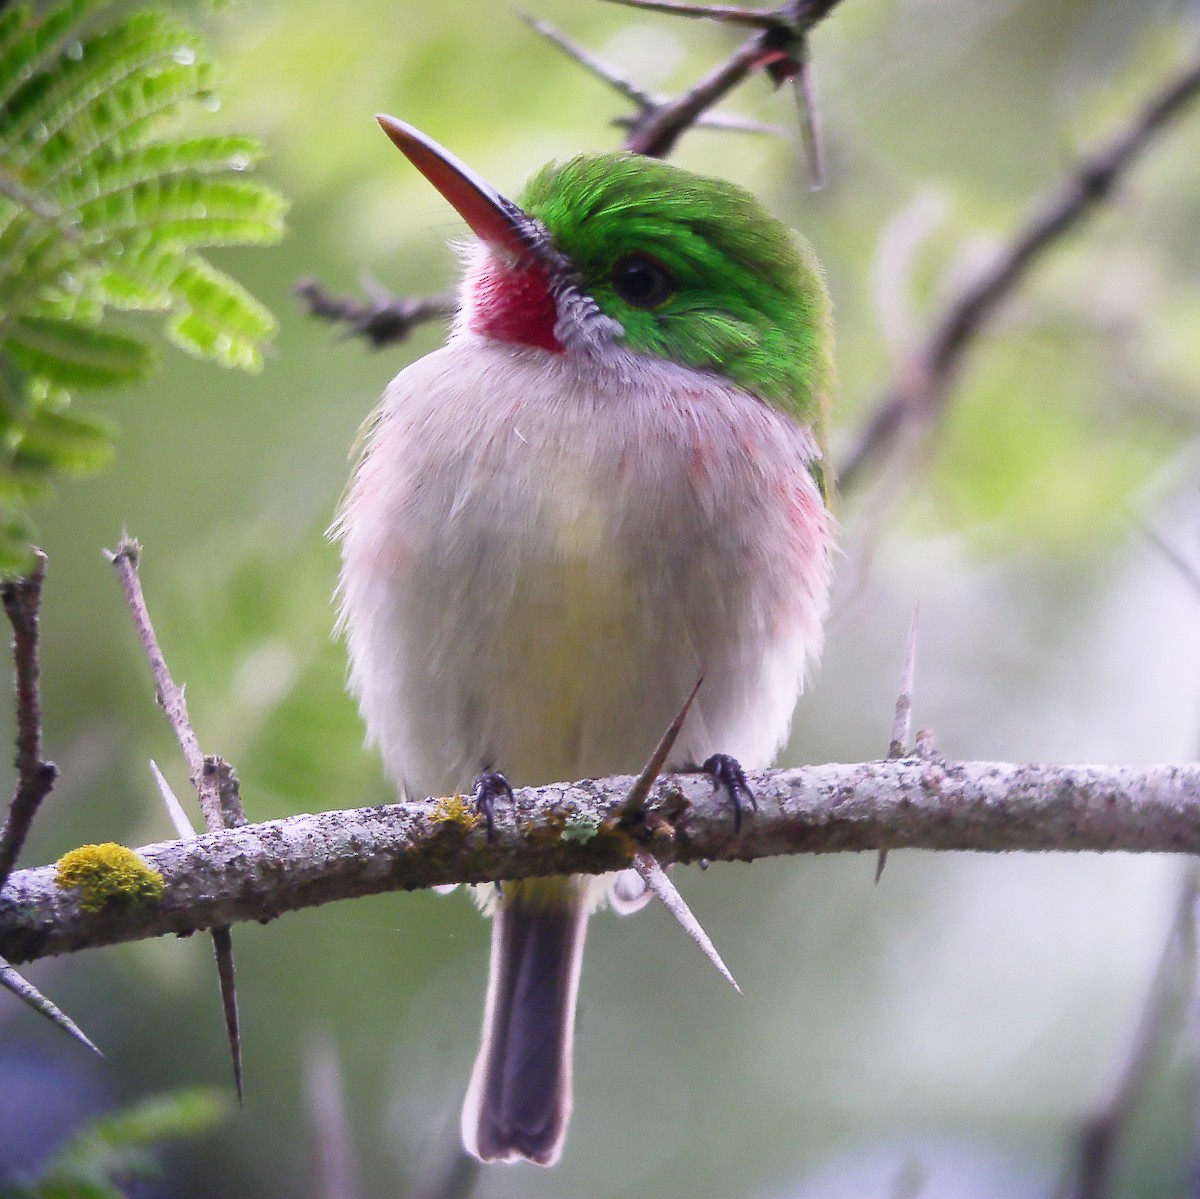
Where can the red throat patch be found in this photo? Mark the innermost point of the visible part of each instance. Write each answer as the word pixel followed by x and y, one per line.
pixel 512 302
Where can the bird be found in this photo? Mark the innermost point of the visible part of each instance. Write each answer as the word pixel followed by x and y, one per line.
pixel 608 483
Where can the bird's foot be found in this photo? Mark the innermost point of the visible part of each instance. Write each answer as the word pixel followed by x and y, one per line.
pixel 488 788
pixel 727 775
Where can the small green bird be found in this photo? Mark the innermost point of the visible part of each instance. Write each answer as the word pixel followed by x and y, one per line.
pixel 605 485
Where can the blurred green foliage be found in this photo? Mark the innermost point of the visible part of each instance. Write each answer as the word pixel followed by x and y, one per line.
pixel 103 208
pixel 109 1152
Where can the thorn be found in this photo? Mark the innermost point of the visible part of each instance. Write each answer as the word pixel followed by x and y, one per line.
pixel 635 802
pixel 590 62
pixel 725 13
pixel 655 877
pixel 902 720
pixel 720 122
pixel 804 86
pixel 179 819
pixel 23 989
pixel 222 938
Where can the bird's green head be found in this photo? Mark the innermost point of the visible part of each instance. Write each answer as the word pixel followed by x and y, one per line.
pixel 618 247
pixel 695 270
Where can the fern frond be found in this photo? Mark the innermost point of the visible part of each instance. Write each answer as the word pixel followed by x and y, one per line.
pixel 99 175
pixel 189 210
pixel 218 318
pixel 49 103
pixel 103 207
pixel 28 48
pixel 75 354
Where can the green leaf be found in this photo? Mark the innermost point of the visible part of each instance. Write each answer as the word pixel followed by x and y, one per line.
pixel 102 208
pixel 192 210
pixel 63 442
pixel 104 173
pixel 103 63
pixel 29 46
pixel 221 319
pixel 75 355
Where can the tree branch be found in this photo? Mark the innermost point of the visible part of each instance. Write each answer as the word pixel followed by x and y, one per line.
pixel 260 871
pixel 22 599
pixel 921 387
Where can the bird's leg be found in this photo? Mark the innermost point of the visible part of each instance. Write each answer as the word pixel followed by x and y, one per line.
pixel 727 775
pixel 492 786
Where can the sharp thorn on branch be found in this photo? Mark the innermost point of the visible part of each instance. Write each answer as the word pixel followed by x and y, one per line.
pixel 182 825
pixel 24 990
pixel 902 718
pixel 880 863
pixel 222 938
pixel 811 135
pixel 589 61
pixel 655 877
pixel 720 122
pixel 727 14
pixel 634 804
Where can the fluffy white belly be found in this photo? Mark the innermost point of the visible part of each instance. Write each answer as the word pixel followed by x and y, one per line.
pixel 543 553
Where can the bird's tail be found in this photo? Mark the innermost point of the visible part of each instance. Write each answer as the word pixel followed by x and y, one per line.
pixel 519 1100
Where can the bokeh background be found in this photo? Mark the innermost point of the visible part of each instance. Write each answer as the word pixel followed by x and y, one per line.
pixel 943 1029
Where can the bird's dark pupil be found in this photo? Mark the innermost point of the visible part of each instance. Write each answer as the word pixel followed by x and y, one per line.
pixel 642 282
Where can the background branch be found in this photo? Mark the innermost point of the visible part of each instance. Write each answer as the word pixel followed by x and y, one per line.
pixel 260 871
pixel 22 600
pixel 921 387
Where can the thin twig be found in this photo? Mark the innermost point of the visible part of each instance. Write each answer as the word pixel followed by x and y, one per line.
pixel 921 388
pixel 643 101
pixel 380 320
pixel 35 777
pixel 779 47
pixel 170 696
pixel 213 778
pixel 1159 1021
pixel 263 870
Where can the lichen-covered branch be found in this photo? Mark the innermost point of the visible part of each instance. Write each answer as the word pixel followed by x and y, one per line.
pixel 260 871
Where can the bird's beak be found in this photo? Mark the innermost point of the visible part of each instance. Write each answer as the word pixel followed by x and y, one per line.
pixel 495 219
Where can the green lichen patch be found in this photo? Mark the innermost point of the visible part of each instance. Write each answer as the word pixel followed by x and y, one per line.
pixel 581 828
pixel 109 875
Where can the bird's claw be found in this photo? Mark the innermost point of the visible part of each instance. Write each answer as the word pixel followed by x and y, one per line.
pixel 488 788
pixel 728 776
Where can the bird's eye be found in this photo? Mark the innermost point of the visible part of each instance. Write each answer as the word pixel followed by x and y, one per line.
pixel 642 281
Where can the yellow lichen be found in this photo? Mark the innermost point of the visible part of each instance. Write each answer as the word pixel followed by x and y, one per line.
pixel 456 809
pixel 108 875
